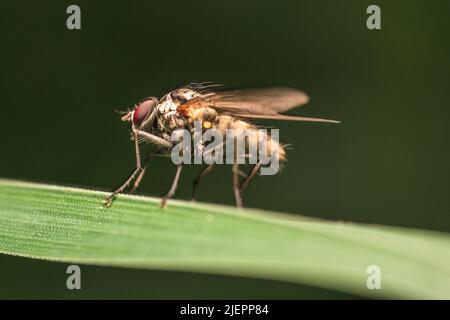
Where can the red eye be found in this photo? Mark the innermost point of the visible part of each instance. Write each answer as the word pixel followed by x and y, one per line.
pixel 142 111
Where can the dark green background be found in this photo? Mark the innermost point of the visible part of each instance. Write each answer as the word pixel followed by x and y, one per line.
pixel 387 163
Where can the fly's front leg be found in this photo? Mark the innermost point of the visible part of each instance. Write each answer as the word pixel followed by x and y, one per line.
pixel 154 139
pixel 173 188
pixel 139 178
pixel 139 170
pixel 109 200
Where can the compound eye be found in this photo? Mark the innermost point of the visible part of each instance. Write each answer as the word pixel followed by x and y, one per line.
pixel 142 111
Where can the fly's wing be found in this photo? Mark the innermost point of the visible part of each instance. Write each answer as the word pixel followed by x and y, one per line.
pixel 264 103
pixel 287 118
pixel 263 100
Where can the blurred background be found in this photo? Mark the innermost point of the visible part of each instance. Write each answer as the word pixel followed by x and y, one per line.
pixel 387 163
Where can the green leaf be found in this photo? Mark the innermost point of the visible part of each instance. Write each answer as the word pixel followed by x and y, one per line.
pixel 71 225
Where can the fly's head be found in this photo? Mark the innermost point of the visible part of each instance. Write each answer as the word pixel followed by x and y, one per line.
pixel 142 114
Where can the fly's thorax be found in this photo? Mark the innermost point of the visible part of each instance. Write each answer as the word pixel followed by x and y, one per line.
pixel 167 116
pixel 172 101
pixel 204 115
pixel 169 122
pixel 173 111
pixel 167 105
pixel 184 94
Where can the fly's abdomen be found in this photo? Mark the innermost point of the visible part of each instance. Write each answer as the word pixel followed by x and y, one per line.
pixel 253 140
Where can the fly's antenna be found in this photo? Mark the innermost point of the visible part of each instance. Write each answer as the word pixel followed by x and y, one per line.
pixel 125 115
pixel 121 112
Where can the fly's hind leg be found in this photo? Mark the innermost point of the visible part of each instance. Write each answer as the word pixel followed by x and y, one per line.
pixel 173 188
pixel 236 191
pixel 249 177
pixel 197 180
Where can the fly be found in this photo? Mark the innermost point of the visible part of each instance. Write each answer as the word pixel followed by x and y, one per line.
pixel 155 119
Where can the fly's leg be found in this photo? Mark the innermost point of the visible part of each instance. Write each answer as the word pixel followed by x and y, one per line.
pixel 202 174
pixel 173 188
pixel 109 200
pixel 249 177
pixel 139 178
pixel 154 139
pixel 237 193
pixel 139 170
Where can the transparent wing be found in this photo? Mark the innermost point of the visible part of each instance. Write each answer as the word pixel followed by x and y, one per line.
pixel 287 118
pixel 263 103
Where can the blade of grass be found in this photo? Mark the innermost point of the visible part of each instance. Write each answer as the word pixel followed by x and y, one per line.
pixel 70 225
